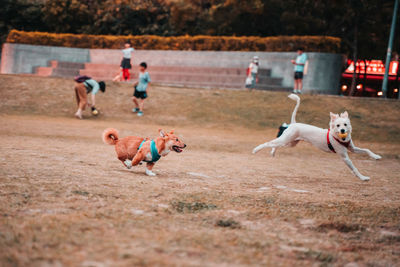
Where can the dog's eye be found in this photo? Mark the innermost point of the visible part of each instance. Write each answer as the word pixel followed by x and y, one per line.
pixel 338 125
pixel 345 124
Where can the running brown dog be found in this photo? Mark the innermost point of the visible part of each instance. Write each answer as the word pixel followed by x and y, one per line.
pixel 132 150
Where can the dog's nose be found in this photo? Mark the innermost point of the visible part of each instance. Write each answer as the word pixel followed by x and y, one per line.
pixel 342 131
pixel 184 145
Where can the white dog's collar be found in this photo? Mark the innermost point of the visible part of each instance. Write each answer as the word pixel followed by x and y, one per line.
pixel 331 148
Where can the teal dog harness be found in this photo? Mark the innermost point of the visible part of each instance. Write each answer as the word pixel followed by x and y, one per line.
pixel 154 152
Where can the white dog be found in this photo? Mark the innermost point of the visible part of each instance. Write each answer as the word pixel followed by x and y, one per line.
pixel 337 139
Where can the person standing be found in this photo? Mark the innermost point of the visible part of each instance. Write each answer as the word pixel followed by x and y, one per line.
pixel 299 65
pixel 141 87
pixel 252 74
pixel 85 85
pixel 126 61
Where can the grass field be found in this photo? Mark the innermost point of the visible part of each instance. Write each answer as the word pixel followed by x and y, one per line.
pixel 65 200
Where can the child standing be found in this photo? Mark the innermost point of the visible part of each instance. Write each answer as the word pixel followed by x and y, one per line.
pixel 299 66
pixel 141 87
pixel 126 61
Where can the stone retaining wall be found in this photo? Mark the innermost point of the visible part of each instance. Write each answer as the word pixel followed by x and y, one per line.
pixel 323 73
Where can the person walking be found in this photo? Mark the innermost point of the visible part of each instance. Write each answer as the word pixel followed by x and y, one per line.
pixel 141 88
pixel 126 62
pixel 299 65
pixel 85 85
pixel 252 74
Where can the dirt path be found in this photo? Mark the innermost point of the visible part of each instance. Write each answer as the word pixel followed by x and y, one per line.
pixel 66 200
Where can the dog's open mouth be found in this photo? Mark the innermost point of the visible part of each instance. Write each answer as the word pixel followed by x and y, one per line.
pixel 177 149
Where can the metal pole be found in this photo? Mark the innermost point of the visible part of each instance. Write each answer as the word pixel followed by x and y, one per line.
pixel 389 50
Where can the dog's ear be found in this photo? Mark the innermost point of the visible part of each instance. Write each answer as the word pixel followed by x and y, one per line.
pixel 172 132
pixel 162 134
pixel 333 116
pixel 344 115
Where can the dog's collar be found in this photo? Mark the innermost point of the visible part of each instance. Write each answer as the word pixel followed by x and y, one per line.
pixel 155 156
pixel 345 144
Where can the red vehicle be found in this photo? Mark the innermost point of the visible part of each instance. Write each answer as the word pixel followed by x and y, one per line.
pixel 369 78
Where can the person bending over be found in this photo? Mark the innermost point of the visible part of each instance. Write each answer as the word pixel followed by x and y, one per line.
pixel 85 85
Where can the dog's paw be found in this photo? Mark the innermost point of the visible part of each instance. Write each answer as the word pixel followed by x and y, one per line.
pixel 150 173
pixel 364 178
pixel 128 163
pixel 255 150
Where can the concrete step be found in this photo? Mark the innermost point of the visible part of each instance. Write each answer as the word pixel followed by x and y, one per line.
pixel 157 76
pixel 66 65
pixel 43 71
pixel 102 73
pixel 264 72
pixel 224 71
pixel 173 76
pixel 59 69
pixel 65 72
pixel 269 80
pixel 203 84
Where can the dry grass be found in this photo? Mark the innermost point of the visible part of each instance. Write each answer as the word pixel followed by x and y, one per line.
pixel 66 200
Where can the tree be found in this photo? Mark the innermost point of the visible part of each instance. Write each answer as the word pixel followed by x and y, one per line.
pixel 363 25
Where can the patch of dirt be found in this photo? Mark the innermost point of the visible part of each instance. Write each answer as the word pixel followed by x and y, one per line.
pixel 229 223
pixel 182 207
pixel 341 227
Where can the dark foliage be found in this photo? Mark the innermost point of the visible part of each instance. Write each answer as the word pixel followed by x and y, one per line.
pixel 368 21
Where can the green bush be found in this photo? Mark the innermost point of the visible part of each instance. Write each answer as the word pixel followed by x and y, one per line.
pixel 199 42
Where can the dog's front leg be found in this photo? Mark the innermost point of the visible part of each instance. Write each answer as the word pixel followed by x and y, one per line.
pixel 359 150
pixel 349 163
pixel 139 157
pixel 149 167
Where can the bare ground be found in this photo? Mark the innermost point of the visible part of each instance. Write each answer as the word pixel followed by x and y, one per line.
pixel 66 200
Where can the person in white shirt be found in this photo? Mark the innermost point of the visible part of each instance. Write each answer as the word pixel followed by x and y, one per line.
pixel 126 61
pixel 252 74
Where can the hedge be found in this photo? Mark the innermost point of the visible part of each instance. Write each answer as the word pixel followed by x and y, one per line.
pixel 200 42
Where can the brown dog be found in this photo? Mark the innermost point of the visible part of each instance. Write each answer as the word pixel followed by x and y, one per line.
pixel 132 150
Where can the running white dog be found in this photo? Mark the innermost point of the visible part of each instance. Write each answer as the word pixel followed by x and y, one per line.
pixel 336 139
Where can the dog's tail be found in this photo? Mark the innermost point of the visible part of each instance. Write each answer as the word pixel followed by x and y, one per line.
pixel 297 99
pixel 110 136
